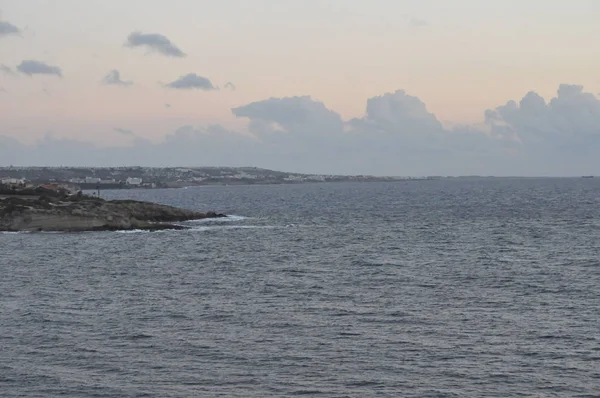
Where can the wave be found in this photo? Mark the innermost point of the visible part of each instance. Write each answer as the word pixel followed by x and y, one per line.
pixel 229 218
pixel 229 227
pixel 203 228
pixel 233 217
pixel 201 225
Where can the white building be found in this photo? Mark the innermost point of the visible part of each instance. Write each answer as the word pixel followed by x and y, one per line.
pixel 92 180
pixel 293 178
pixel 12 181
pixel 133 181
pixel 243 175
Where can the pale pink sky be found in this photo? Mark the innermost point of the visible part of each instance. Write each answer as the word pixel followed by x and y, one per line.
pixel 467 56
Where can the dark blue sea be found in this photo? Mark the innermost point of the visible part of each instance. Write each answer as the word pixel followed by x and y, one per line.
pixel 442 288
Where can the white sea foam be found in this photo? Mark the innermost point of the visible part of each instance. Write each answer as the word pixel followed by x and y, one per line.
pixel 199 228
pixel 230 218
pixel 233 217
pixel 230 227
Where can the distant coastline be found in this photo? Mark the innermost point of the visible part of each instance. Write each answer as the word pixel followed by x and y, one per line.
pixel 100 178
pixel 109 178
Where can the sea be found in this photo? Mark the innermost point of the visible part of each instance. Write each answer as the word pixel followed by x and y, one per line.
pixel 474 287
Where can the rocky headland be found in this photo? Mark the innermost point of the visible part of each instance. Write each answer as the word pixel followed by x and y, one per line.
pixel 79 213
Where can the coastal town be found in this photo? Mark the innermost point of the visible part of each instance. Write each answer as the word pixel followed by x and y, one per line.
pixel 74 179
pixel 35 199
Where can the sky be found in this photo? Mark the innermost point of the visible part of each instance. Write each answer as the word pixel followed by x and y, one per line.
pixel 384 87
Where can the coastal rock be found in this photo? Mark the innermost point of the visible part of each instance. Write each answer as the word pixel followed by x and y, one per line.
pixel 81 213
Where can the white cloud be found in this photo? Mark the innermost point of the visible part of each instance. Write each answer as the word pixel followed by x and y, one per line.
pixel 398 113
pixel 570 118
pixel 114 78
pixel 8 29
pixel 192 81
pixel 396 136
pixel 31 67
pixel 155 42
pixel 292 115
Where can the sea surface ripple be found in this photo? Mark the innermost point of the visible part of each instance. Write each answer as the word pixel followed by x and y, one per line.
pixel 444 288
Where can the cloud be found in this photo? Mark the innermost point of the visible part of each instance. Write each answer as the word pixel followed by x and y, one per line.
pixel 188 145
pixel 564 129
pixel 192 81
pixel 154 42
pixel 6 70
pixel 31 67
pixel 114 78
pixel 291 114
pixel 398 113
pixel 124 131
pixel 572 115
pixel 230 85
pixel 397 135
pixel 8 29
pixel 417 23
pixel 167 105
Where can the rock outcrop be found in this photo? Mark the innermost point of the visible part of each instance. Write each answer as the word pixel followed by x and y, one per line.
pixel 83 213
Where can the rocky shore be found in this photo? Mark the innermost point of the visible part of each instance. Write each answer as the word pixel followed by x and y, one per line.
pixel 83 213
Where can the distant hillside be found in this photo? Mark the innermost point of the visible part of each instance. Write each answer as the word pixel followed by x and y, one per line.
pixel 115 177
